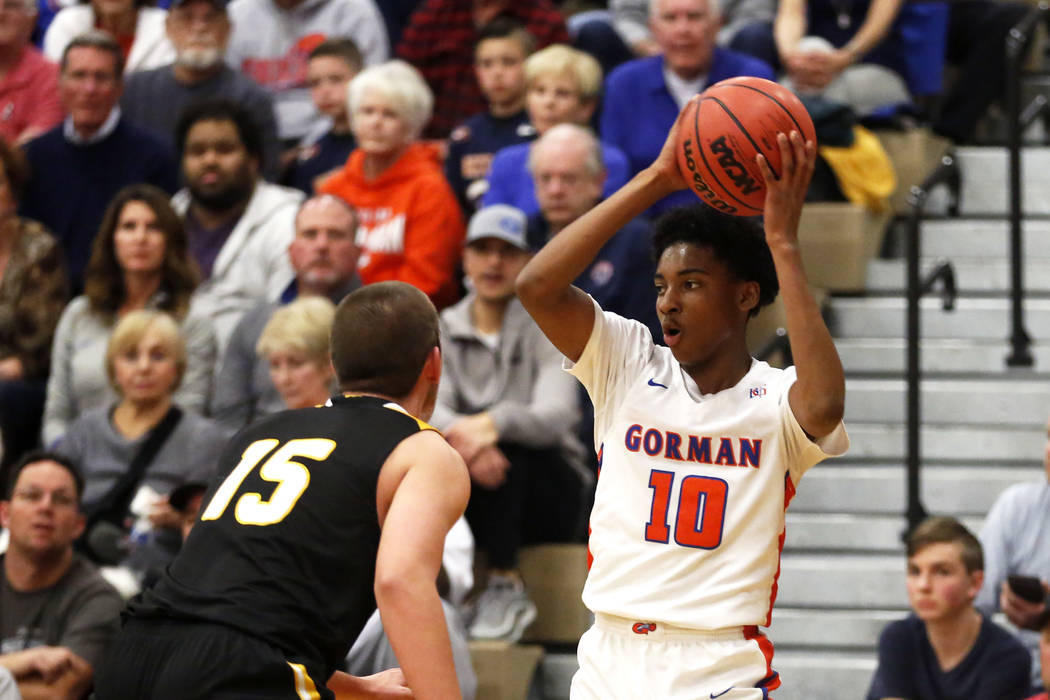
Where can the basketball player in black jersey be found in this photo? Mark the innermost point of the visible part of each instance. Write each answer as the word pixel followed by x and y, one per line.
pixel 316 516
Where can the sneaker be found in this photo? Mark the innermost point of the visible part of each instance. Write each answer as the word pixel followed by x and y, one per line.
pixel 504 611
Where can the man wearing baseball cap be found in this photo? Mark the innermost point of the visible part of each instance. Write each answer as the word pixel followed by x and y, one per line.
pixel 511 412
pixel 199 30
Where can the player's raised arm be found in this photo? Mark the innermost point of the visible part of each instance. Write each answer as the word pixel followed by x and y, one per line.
pixel 563 312
pixel 818 396
pixel 423 489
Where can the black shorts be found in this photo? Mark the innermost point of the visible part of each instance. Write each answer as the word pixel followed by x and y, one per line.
pixel 161 659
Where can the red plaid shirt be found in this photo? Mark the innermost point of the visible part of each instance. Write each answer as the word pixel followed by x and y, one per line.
pixel 439 41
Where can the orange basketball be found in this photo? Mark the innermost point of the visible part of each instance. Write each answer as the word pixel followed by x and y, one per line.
pixel 721 134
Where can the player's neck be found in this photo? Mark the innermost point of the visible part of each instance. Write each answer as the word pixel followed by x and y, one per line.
pixel 410 403
pixel 720 371
pixel 953 637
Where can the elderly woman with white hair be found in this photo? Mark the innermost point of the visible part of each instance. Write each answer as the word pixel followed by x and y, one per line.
pixel 411 228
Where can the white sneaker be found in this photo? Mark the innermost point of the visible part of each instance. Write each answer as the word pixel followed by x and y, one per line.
pixel 504 611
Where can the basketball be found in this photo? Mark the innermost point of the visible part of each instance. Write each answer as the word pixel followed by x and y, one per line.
pixel 721 133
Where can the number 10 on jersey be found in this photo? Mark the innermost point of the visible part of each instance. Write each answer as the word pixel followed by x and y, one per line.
pixel 699 517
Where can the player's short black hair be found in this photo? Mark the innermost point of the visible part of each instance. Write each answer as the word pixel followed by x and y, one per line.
pixel 506 27
pixel 381 337
pixel 738 241
pixel 35 457
pixel 220 109
pixel 341 47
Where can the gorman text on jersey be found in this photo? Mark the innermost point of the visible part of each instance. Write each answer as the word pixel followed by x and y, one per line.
pixel 730 452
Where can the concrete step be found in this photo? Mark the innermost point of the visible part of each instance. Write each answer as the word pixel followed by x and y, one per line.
pixel 863 533
pixel 846 581
pixel 972 276
pixel 843 532
pixel 795 628
pixel 874 441
pixel 984 181
pixel 880 489
pixel 874 317
pixel 939 356
pixel 961 238
pixel 1002 401
pixel 823 675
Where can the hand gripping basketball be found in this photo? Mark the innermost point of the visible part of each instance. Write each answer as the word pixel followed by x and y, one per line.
pixel 720 135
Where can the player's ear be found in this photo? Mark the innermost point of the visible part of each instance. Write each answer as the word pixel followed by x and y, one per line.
pixel 749 295
pixel 432 365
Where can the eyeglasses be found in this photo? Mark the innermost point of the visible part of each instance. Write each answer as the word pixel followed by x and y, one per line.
pixel 60 499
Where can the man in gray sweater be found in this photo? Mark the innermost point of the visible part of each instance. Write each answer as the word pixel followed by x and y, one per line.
pixel 509 409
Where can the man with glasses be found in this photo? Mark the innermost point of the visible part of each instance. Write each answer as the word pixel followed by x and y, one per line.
pixel 57 613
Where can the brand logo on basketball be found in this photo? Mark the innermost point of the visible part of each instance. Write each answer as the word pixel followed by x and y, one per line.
pixel 733 167
pixel 643 627
pixel 705 192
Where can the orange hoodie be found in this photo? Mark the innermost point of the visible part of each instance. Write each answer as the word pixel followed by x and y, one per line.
pixel 410 225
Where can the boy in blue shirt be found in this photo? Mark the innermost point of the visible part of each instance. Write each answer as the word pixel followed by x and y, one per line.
pixel 499 62
pixel 331 66
pixel 947 650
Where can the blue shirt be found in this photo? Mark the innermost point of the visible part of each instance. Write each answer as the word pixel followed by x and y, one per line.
pixel 639 110
pixel 329 153
pixel 72 184
pixel 621 276
pixel 510 181
pixel 996 668
pixel 482 134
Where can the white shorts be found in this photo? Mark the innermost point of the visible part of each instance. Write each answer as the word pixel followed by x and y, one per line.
pixel 621 658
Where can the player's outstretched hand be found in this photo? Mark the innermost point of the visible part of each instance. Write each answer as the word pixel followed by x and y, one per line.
pixel 666 164
pixel 390 684
pixel 385 685
pixel 786 195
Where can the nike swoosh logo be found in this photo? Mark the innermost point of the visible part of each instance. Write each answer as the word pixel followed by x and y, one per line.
pixel 653 382
pixel 718 695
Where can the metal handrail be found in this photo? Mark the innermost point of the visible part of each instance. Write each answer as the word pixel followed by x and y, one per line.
pixel 946 173
pixel 1017 43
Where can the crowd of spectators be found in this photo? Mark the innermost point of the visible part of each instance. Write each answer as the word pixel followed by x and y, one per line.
pixel 186 191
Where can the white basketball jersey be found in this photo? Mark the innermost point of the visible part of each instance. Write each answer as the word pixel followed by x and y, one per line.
pixel 688 519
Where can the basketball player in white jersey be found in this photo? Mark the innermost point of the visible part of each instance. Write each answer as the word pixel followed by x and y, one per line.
pixel 701 446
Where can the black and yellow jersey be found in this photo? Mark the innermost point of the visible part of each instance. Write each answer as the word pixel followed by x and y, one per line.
pixel 285 545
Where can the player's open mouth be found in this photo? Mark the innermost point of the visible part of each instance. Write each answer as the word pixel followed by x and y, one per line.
pixel 671 335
